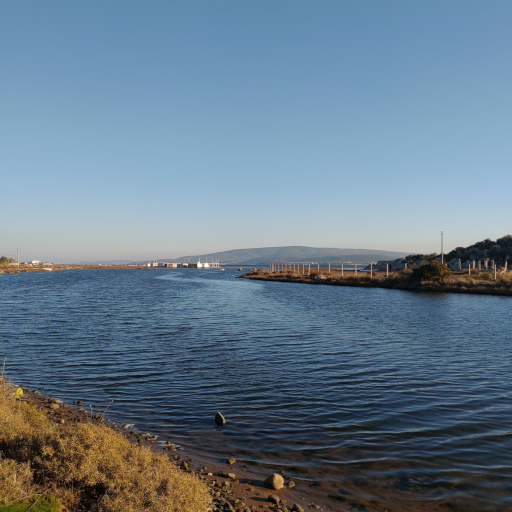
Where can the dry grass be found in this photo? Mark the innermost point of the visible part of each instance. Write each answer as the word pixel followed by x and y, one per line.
pixel 476 283
pixel 89 465
pixel 15 481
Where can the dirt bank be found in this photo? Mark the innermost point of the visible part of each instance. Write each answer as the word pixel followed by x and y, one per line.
pixel 482 283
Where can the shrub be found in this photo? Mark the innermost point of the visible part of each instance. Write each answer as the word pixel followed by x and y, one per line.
pixel 105 471
pixel 432 271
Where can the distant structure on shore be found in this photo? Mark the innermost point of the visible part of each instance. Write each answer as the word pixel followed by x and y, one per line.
pixel 185 264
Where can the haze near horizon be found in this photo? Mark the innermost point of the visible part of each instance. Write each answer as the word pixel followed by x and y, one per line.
pixel 133 130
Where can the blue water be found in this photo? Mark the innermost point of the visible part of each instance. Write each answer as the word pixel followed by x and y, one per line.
pixel 373 397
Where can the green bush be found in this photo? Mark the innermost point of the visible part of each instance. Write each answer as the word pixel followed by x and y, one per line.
pixel 432 271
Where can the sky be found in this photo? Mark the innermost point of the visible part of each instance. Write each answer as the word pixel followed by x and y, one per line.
pixel 139 130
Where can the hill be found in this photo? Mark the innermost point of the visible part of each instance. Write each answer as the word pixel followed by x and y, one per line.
pixel 500 251
pixel 485 252
pixel 265 255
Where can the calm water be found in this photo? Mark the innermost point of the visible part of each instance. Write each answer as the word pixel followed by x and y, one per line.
pixel 373 397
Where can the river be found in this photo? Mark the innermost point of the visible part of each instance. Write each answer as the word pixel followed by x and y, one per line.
pixel 373 398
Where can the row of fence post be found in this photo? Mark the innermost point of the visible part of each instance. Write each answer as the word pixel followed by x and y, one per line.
pixel 296 268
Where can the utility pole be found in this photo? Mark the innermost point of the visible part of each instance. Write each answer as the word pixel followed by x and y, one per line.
pixel 442 253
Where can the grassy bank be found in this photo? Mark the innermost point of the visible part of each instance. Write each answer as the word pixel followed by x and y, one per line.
pixel 49 467
pixel 477 283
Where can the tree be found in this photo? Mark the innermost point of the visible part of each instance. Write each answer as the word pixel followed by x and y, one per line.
pixel 4 260
pixel 431 271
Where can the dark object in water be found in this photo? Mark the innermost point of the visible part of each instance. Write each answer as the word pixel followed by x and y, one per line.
pixel 219 419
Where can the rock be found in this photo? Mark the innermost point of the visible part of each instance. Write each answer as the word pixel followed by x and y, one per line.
pixel 291 484
pixel 79 403
pixel 232 476
pixel 219 419
pixel 54 406
pixel 297 508
pixel 230 461
pixel 273 499
pixel 274 481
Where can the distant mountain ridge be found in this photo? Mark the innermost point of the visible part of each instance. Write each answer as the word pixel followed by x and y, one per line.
pixel 265 255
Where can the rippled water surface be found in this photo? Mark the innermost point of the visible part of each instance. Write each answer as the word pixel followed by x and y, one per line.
pixel 369 396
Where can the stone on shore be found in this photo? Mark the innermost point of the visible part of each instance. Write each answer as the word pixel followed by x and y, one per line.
pixel 273 499
pixel 231 461
pixel 274 481
pixel 219 419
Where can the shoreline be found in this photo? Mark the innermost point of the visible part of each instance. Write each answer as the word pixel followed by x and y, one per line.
pixel 233 485
pixel 475 284
pixel 55 268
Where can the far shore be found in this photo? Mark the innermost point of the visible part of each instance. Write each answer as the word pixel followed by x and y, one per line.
pixel 481 283
pixel 478 282
pixel 15 269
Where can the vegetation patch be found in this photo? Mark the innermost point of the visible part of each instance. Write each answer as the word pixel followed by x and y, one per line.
pixel 88 466
pixel 431 271
pixel 35 504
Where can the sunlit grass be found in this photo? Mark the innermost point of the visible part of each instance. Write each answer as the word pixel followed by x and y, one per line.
pixel 88 465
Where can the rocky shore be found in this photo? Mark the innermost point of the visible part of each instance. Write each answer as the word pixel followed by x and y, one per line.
pixel 232 485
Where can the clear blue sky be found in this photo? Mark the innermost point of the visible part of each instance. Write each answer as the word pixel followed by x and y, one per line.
pixel 134 129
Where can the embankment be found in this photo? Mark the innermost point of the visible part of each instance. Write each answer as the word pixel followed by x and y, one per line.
pixel 481 283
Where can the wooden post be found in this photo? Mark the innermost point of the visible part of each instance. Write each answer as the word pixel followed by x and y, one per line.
pixel 329 268
pixel 342 270
pixel 387 269
pixel 355 269
pixel 309 269
pixel 460 265
pixel 371 269
pixel 318 267
pixel 495 273
pixel 469 269
pixel 506 264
